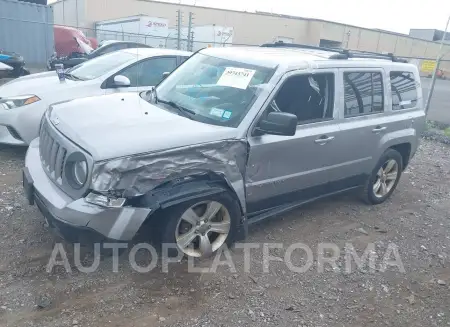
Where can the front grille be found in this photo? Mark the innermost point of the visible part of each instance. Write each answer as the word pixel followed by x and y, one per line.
pixel 53 154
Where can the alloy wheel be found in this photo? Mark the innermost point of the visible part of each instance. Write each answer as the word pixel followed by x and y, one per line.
pixel 203 228
pixel 385 178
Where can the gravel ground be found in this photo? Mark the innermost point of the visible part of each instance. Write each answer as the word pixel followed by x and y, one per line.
pixel 416 220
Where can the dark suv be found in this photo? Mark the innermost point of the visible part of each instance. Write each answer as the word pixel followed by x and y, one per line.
pixel 75 59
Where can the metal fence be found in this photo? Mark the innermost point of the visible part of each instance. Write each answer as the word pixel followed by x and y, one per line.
pixel 27 29
pixel 182 42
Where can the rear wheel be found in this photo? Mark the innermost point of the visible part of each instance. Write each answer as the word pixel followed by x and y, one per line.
pixel 384 178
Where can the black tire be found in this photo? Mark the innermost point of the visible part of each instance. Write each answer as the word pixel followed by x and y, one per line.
pixel 17 72
pixel 166 222
pixel 25 72
pixel 368 194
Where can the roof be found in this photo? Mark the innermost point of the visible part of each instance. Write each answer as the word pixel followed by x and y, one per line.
pixel 292 57
pixel 151 52
pixel 268 56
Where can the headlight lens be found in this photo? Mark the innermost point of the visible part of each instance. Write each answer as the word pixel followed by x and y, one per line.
pixel 76 170
pixel 19 101
pixel 80 172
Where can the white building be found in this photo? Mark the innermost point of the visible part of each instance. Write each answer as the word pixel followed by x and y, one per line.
pixel 248 28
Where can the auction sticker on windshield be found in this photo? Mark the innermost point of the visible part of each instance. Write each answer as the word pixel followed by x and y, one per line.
pixel 236 77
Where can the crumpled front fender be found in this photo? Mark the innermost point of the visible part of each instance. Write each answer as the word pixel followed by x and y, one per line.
pixel 136 175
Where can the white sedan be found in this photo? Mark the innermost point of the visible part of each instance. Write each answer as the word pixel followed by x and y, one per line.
pixel 24 100
pixel 5 67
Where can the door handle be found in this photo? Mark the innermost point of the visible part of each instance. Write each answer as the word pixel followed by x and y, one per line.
pixel 379 129
pixel 324 139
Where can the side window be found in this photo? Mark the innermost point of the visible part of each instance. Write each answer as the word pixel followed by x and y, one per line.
pixel 309 97
pixel 363 93
pixel 101 51
pixel 149 72
pixel 183 59
pixel 404 90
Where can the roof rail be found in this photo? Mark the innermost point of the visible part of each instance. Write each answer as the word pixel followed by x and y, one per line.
pixel 281 44
pixel 339 53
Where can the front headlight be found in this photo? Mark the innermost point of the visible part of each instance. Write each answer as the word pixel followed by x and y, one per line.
pixel 76 170
pixel 19 101
pixel 80 172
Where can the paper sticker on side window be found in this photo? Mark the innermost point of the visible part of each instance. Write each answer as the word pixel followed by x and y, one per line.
pixel 236 77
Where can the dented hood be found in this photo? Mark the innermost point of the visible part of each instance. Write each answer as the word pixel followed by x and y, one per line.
pixel 124 124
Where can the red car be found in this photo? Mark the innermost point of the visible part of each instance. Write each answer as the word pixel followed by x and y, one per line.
pixel 65 40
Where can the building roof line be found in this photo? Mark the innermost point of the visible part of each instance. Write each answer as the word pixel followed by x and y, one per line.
pixel 264 13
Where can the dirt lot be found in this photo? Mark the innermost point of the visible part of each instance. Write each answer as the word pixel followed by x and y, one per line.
pixel 416 219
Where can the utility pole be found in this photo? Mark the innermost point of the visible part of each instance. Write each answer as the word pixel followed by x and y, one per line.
pixel 348 38
pixel 438 60
pixel 179 25
pixel 190 33
pixel 76 10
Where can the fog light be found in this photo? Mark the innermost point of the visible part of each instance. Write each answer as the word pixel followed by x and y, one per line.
pixel 104 201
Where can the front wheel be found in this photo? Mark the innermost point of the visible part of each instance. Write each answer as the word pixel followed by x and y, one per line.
pixel 384 178
pixel 200 227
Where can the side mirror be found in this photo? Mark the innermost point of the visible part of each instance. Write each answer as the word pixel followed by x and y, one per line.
pixel 279 123
pixel 165 74
pixel 121 81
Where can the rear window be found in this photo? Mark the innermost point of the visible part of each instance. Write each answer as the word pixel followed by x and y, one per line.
pixel 404 90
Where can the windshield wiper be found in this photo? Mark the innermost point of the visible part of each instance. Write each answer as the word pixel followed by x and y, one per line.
pixel 184 111
pixel 70 76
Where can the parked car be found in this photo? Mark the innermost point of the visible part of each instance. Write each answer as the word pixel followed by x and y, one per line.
pixel 439 74
pixel 231 137
pixel 77 58
pixel 15 61
pixel 5 67
pixel 25 99
pixel 68 39
pixel 105 42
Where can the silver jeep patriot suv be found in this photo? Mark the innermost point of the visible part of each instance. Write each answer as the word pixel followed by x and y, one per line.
pixel 231 137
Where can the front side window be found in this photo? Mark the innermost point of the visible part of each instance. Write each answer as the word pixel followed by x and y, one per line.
pixel 213 90
pixel 309 97
pixel 363 92
pixel 149 72
pixel 99 66
pixel 404 90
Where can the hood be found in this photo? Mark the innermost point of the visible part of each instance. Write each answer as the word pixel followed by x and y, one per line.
pixel 5 67
pixel 83 46
pixel 124 124
pixel 37 84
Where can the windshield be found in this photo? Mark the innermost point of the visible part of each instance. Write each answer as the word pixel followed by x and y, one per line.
pixel 96 67
pixel 214 90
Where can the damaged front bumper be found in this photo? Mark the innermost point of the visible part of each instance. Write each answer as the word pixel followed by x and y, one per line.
pixel 76 219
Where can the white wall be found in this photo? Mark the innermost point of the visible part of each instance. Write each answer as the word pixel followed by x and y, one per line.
pixel 70 12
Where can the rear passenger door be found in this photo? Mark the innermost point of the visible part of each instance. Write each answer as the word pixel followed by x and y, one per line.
pixel 362 123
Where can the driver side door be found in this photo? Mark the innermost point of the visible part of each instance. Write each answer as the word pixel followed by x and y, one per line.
pixel 143 75
pixel 288 169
